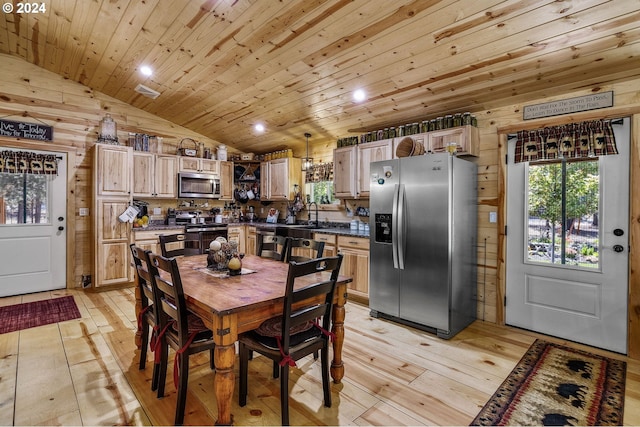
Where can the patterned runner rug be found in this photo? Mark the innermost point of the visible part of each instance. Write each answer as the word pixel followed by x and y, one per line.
pixel 557 385
pixel 31 314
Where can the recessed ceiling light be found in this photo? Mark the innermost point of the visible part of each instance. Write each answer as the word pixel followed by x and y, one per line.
pixel 146 70
pixel 359 95
pixel 259 127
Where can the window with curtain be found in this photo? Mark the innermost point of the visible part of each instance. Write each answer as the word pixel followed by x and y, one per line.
pixel 563 190
pixel 571 141
pixel 24 186
pixel 319 183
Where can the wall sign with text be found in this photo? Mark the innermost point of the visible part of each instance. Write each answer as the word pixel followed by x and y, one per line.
pixel 567 106
pixel 26 130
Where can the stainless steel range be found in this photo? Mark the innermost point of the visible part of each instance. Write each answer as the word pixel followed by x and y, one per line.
pixel 207 233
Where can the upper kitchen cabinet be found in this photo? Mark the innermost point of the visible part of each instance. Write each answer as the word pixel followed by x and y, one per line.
pixel 226 180
pixel 344 172
pixel 112 166
pixel 277 178
pixel 367 153
pixel 466 138
pixel 351 167
pixel 196 164
pixel 154 175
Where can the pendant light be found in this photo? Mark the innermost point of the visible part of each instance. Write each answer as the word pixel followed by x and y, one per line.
pixel 307 162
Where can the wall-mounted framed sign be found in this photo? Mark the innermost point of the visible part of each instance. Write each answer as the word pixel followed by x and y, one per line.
pixel 26 130
pixel 567 106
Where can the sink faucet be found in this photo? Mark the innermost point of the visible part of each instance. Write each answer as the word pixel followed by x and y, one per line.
pixel 317 224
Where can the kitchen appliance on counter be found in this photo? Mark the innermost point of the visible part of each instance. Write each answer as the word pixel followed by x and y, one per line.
pixel 423 220
pixel 171 216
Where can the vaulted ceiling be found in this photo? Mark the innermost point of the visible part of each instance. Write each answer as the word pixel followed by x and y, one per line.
pixel 222 66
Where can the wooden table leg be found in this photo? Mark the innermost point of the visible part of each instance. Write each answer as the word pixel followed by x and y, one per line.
pixel 337 320
pixel 224 381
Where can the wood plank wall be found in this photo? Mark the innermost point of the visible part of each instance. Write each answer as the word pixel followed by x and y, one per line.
pixel 31 94
pixel 75 112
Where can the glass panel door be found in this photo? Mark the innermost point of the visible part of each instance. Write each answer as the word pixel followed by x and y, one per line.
pixel 563 209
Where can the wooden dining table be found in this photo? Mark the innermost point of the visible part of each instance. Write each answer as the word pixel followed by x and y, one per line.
pixel 231 305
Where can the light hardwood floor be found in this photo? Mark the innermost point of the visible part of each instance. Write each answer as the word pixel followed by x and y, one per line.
pixel 85 372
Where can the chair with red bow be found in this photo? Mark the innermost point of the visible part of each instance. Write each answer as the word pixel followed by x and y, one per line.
pixel 147 311
pixel 298 332
pixel 180 329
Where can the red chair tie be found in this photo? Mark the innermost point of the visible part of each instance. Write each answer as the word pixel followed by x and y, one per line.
pixel 286 359
pixel 156 339
pixel 176 360
pixel 330 334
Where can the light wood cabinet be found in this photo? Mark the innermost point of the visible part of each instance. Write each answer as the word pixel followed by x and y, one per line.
pixel 112 177
pixel 236 233
pixel 149 239
pixel 351 166
pixel 226 180
pixel 329 243
pixel 367 153
pixel 112 170
pixel 344 172
pixel 466 138
pixel 277 178
pixel 355 264
pixel 196 164
pixel 251 247
pixel 155 175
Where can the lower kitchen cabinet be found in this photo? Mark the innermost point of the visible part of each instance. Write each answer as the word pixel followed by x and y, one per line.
pixel 250 248
pixel 236 233
pixel 355 264
pixel 329 243
pixel 149 239
pixel 111 263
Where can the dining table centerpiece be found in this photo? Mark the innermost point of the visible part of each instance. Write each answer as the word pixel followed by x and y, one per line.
pixel 221 252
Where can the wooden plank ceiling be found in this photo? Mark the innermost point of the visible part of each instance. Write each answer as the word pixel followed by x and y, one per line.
pixel 222 66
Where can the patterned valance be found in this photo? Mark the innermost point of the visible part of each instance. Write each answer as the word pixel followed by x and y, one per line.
pixel 320 172
pixel 574 140
pixel 28 162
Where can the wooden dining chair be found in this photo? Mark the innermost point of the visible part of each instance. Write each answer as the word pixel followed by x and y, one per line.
pixel 178 244
pixel 311 249
pixel 271 246
pixel 147 316
pixel 180 329
pixel 298 332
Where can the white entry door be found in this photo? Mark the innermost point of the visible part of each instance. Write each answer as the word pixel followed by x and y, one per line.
pixel 573 283
pixel 33 230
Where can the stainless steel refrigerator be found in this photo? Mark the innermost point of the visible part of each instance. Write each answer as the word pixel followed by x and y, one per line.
pixel 423 238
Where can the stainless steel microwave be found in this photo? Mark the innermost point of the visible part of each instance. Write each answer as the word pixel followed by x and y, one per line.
pixel 198 185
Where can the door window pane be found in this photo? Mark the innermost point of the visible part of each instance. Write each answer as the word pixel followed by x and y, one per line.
pixel 563 209
pixel 24 199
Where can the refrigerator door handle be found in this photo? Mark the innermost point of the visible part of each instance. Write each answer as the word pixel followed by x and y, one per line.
pixel 394 226
pixel 400 230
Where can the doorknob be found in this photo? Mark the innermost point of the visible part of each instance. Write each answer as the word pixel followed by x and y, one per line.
pixel 618 232
pixel 618 248
pixel 62 228
pixel 60 218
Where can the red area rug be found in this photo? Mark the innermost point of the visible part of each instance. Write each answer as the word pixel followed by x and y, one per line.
pixel 31 314
pixel 558 385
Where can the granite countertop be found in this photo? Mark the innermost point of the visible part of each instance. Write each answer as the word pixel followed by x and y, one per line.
pixel 331 228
